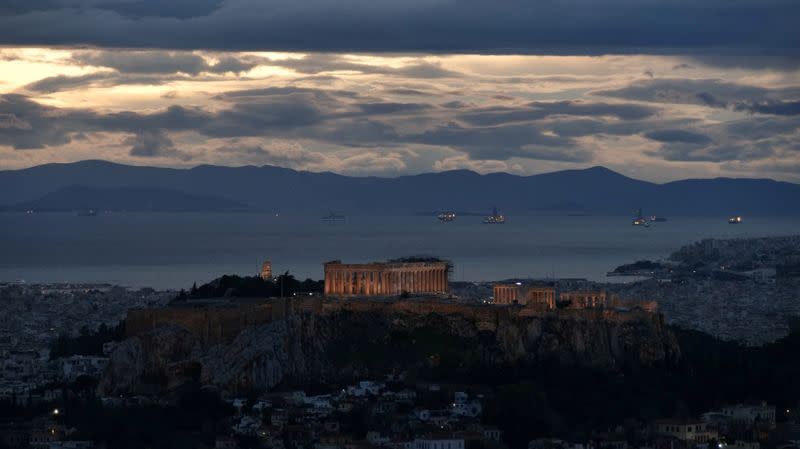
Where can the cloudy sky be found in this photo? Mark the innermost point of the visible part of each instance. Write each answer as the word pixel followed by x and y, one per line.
pixel 655 89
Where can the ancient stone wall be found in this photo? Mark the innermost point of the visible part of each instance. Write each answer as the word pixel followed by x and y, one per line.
pixel 211 324
pixel 215 325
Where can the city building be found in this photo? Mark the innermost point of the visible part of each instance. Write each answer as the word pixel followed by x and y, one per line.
pixel 682 434
pixel 386 279
pixel 443 441
pixel 751 414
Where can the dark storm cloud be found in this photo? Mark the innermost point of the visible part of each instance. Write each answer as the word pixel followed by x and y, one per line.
pixel 747 140
pixel 538 130
pixel 164 62
pixel 407 92
pixel 260 154
pixel 503 142
pixel 61 83
pixel 713 93
pixel 143 68
pixel 322 62
pixel 25 124
pixel 761 127
pixel 685 152
pixel 539 110
pixel 749 27
pixel 770 107
pixel 181 9
pixel 153 143
pixel 585 126
pixel 678 135
pixel 384 108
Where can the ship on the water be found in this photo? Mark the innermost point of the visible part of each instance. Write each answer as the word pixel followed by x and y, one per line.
pixel 333 217
pixel 640 220
pixel 495 218
pixel 735 220
pixel 447 216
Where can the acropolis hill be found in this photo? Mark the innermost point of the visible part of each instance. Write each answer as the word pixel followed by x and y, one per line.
pixel 243 346
pixel 381 287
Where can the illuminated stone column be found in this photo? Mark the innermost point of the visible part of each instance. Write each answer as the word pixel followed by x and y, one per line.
pixel 373 283
pixel 398 282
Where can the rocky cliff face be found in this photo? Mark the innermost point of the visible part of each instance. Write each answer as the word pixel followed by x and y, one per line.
pixel 343 345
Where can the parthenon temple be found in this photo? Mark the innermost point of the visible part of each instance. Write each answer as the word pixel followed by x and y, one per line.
pixel 385 279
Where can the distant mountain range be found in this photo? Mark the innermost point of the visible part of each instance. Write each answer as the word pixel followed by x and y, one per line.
pixel 596 190
pixel 79 197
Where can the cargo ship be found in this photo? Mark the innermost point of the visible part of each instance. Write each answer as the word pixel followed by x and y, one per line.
pixel 495 218
pixel 446 216
pixel 639 219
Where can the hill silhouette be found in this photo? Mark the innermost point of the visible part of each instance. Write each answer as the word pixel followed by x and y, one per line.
pixel 595 190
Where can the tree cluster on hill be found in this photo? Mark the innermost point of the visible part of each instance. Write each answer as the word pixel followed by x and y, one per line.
pixel 251 287
pixel 86 342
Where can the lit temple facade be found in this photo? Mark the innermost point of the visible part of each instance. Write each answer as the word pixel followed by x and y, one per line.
pixel 385 279
pixel 539 297
pixel 585 299
pixel 525 295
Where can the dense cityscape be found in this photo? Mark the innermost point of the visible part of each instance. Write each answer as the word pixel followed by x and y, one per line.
pixel 70 352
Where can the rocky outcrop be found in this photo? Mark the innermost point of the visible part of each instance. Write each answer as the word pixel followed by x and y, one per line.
pixel 342 344
pixel 153 358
